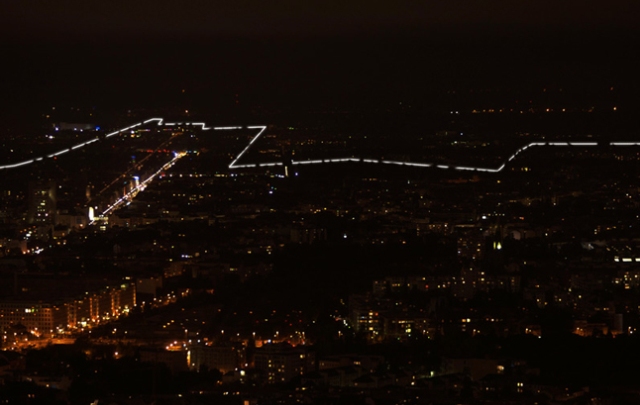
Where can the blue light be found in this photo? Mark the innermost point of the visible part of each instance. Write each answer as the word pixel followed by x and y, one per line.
pixel 97 128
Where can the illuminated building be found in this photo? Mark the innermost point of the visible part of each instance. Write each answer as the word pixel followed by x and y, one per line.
pixel 103 305
pixel 223 358
pixel 281 362
pixel 69 313
pixel 35 316
pixel 42 203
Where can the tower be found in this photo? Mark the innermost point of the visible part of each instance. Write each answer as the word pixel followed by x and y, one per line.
pixel 42 203
pixel 287 158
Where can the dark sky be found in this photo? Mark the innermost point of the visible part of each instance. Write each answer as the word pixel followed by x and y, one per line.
pixel 102 19
pixel 140 52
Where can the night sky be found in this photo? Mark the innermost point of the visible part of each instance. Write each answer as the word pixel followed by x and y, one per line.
pixel 123 53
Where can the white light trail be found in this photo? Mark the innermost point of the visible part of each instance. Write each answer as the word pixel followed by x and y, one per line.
pixel 128 196
pixel 160 121
pixel 262 128
pixel 201 124
pixel 58 153
pixel 26 162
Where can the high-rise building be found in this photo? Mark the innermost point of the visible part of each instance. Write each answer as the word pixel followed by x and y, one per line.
pixel 42 203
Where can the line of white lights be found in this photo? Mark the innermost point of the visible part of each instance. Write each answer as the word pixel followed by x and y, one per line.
pixel 262 128
pixel 233 165
pixel 142 185
pixel 159 121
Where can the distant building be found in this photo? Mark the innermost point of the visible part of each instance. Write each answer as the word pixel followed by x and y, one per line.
pixel 42 203
pixel 67 313
pixel 75 126
pixel 176 361
pixel 308 235
pixel 223 358
pixel 35 316
pixel 282 362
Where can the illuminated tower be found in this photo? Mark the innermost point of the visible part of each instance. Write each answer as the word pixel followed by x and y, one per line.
pixel 42 203
pixel 287 158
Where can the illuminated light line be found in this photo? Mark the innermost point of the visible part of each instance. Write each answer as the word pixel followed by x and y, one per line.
pixel 355 159
pixel 262 128
pixel 132 126
pixel 202 124
pixel 58 153
pixel 271 164
pixel 159 122
pixel 26 162
pixel 140 186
